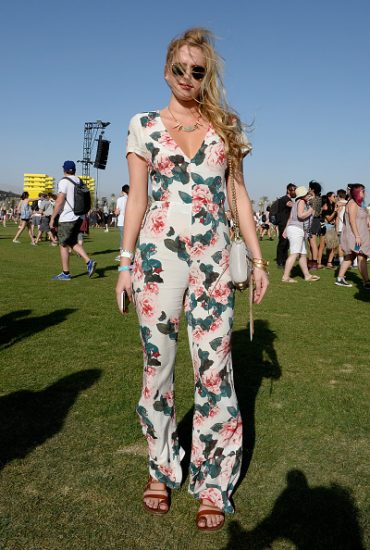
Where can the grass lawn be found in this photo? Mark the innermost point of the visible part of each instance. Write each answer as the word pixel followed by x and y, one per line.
pixel 72 457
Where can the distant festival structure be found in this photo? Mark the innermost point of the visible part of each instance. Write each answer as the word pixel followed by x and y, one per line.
pixel 38 183
pixel 35 184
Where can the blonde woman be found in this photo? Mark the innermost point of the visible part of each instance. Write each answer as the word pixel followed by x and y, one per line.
pixel 183 259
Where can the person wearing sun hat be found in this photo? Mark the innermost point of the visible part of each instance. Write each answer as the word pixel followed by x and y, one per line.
pixel 296 232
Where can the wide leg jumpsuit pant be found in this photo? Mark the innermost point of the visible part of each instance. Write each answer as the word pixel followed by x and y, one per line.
pixel 182 261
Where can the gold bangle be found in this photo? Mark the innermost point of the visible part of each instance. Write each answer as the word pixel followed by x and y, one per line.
pixel 257 261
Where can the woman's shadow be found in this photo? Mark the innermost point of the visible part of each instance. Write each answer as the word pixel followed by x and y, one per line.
pixel 29 418
pixel 312 518
pixel 252 362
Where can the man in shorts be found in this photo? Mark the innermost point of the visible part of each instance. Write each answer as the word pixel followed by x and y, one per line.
pixel 285 204
pixel 120 213
pixel 69 223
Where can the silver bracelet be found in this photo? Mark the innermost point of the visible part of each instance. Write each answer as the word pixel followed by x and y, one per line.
pixel 126 254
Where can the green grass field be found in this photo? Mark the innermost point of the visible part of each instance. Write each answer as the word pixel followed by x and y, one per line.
pixel 72 457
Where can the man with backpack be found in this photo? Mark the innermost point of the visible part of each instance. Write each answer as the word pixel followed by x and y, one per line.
pixel 73 201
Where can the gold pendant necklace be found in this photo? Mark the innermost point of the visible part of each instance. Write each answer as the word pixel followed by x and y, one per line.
pixel 183 127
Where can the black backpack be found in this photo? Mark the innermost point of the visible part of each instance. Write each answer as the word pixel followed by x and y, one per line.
pixel 82 197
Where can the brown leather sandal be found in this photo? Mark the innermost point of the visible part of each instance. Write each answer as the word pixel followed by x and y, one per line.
pixel 202 514
pixel 155 494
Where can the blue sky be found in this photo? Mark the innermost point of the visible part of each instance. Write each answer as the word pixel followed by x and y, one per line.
pixel 297 69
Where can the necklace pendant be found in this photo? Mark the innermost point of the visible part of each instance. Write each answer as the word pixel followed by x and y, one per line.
pixel 189 128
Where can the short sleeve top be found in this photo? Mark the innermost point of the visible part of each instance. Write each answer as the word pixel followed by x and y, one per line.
pixel 175 176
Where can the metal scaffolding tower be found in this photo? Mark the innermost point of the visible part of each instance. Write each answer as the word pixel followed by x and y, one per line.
pixel 90 131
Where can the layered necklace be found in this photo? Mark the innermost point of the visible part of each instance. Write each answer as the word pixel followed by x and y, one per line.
pixel 185 127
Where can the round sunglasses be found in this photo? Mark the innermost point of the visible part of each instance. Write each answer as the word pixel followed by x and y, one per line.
pixel 197 71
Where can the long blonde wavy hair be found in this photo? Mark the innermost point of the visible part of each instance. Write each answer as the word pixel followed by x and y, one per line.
pixel 212 101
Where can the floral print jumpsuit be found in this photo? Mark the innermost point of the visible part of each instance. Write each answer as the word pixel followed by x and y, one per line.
pixel 182 261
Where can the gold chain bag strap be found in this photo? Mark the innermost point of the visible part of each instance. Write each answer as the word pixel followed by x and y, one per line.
pixel 241 266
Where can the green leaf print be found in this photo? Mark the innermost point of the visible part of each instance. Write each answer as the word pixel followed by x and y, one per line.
pixel 142 412
pixel 225 389
pixel 216 343
pixel 217 427
pixel 162 317
pixel 178 160
pixel 200 156
pixel 155 136
pixel 203 409
pixel 166 328
pixel 214 470
pixel 217 257
pixel 205 363
pixel 233 411
pixel 152 278
pixel 172 245
pixel 170 232
pixel 152 150
pixel 181 174
pixel 163 406
pixel 185 197
pixel 178 246
pixel 197 178
pixel 214 184
pixel 209 444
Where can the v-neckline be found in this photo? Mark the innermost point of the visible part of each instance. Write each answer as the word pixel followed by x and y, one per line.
pixel 190 159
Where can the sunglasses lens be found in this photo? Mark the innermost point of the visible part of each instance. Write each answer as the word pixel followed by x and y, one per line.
pixel 178 70
pixel 198 72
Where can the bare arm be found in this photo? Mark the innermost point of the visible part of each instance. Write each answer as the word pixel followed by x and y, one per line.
pixel 58 205
pixel 248 230
pixel 302 213
pixel 135 209
pixel 352 212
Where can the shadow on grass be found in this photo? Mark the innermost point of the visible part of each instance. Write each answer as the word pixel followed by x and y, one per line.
pixel 99 272
pixel 29 418
pixel 312 518
pixel 16 326
pixel 107 251
pixel 252 362
pixel 362 294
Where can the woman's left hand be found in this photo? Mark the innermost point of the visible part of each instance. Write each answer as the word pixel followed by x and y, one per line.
pixel 261 281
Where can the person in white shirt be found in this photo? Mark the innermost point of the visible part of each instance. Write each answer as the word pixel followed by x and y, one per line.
pixel 120 212
pixel 69 223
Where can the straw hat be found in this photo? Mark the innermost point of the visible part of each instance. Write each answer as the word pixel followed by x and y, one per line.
pixel 301 191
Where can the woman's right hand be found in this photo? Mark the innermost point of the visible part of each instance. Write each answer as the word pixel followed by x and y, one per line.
pixel 124 284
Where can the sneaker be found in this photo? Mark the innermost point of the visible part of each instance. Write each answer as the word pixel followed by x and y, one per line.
pixel 342 282
pixel 62 277
pixel 367 285
pixel 91 266
pixel 16 241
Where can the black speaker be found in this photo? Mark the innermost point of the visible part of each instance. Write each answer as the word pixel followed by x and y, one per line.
pixel 102 151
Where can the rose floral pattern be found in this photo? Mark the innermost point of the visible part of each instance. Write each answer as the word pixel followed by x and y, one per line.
pixel 182 261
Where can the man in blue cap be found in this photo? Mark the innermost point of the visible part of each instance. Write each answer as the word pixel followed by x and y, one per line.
pixel 69 223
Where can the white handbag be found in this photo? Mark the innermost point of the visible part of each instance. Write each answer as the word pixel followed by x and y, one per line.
pixel 241 269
